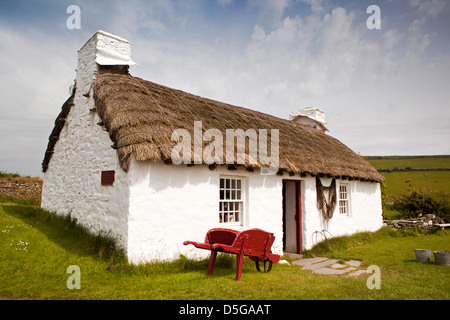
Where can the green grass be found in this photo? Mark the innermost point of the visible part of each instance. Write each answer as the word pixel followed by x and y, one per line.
pixel 36 248
pixel 402 182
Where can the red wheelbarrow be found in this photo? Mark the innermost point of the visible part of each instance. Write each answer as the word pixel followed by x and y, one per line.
pixel 254 243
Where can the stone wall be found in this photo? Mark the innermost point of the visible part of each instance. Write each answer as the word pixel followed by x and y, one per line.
pixel 21 188
pixel 427 221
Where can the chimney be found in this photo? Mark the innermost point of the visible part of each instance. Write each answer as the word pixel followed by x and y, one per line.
pixel 311 116
pixel 104 52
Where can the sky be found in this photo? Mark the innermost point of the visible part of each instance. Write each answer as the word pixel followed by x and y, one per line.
pixel 384 91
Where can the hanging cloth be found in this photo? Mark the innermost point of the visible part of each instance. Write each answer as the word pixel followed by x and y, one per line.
pixel 326 204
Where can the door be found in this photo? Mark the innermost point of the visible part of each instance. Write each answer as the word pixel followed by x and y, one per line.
pixel 292 217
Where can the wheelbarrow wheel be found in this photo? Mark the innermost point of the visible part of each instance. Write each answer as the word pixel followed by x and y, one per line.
pixel 263 265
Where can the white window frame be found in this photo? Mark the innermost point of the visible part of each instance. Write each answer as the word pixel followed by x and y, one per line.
pixel 344 200
pixel 229 203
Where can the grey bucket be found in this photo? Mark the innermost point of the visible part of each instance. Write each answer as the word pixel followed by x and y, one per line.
pixel 423 255
pixel 442 258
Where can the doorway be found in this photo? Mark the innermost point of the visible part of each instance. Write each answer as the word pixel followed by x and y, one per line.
pixel 292 216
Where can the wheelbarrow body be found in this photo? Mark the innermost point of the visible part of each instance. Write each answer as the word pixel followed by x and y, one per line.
pixel 254 243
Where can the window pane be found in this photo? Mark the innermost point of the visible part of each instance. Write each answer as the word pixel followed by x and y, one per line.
pixel 222 183
pixel 238 195
pixel 233 184
pixel 227 194
pixel 238 184
pixel 227 183
pixel 233 194
pixel 221 195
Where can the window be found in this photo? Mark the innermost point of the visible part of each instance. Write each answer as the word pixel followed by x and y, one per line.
pixel 344 199
pixel 108 178
pixel 231 203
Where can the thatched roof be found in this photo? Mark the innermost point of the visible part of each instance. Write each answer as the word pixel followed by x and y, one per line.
pixel 54 136
pixel 140 117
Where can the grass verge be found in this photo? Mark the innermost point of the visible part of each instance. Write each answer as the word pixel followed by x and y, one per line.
pixel 37 247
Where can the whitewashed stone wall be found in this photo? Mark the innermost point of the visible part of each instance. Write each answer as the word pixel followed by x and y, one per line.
pixel 170 204
pixel 72 182
pixel 365 210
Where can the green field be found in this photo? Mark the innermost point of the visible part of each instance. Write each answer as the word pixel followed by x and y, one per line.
pixel 414 162
pixel 403 181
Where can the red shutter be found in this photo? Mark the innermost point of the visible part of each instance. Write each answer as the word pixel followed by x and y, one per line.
pixel 108 178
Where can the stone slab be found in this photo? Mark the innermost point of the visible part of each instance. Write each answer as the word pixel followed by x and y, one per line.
pixel 339 266
pixel 293 256
pixel 320 264
pixel 333 271
pixel 357 273
pixel 308 261
pixel 353 263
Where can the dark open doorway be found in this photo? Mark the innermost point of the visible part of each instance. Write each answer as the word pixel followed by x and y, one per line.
pixel 292 216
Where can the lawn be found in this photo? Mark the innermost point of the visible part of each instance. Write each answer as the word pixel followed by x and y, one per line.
pixel 402 182
pixel 36 248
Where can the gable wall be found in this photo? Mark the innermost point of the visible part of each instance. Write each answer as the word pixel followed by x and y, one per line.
pixel 72 182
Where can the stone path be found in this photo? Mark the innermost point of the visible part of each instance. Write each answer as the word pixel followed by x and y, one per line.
pixel 322 265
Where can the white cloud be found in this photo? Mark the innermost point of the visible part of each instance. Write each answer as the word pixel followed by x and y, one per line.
pixel 429 8
pixel 271 10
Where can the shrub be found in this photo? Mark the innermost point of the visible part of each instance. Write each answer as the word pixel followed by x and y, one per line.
pixel 425 202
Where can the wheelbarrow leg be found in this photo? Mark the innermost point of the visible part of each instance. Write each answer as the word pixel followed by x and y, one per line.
pixel 239 260
pixel 212 260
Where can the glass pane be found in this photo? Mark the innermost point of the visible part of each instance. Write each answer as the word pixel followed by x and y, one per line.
pixel 220 206
pixel 238 195
pixel 237 217
pixel 233 184
pixel 231 206
pixel 228 183
pixel 222 183
pixel 227 194
pixel 233 194
pixel 238 184
pixel 221 195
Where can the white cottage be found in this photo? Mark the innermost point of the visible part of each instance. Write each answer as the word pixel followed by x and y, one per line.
pixel 111 165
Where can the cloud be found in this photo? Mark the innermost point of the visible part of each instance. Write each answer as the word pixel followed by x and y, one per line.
pixel 429 8
pixel 34 83
pixel 271 10
pixel 383 91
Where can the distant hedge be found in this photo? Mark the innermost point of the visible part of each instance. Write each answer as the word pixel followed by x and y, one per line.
pixel 425 202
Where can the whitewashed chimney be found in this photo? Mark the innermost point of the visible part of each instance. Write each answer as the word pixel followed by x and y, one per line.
pixel 103 51
pixel 311 116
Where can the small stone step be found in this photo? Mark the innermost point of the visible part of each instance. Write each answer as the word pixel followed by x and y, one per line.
pixel 333 271
pixel 320 264
pixel 353 263
pixel 308 261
